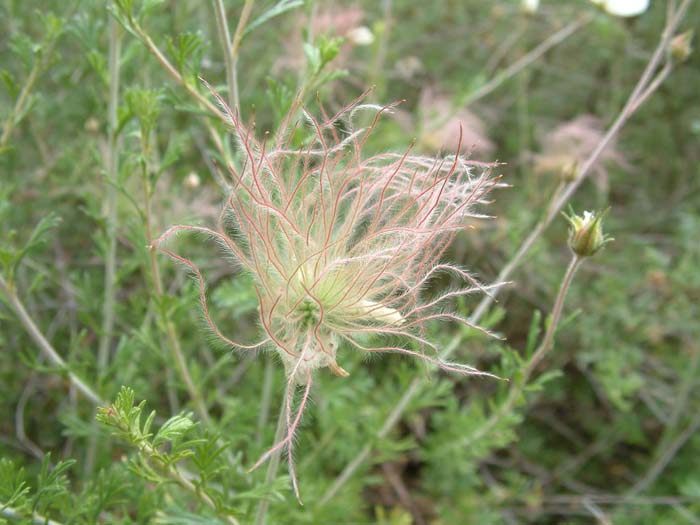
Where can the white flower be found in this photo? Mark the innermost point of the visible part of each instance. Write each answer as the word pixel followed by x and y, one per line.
pixel 623 7
pixel 360 36
pixel 192 181
pixel 530 5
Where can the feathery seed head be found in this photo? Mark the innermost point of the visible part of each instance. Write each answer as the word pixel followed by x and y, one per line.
pixel 341 246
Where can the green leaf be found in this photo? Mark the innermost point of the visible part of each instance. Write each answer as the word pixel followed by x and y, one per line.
pixel 10 84
pixel 13 487
pixel 173 428
pixel 36 239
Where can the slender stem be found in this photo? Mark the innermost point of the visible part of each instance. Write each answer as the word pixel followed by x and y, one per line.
pixel 170 332
pixel 201 99
pixel 546 345
pixel 274 463
pixel 266 398
pixel 516 67
pixel 112 168
pixel 176 475
pixel 525 61
pixel 669 443
pixel 20 105
pixel 225 37
pixel 557 205
pixel 11 119
pixel 548 340
pixel 43 344
pixel 235 45
pixel 660 464
pixel 175 74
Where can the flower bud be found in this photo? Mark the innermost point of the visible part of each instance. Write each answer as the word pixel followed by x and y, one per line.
pixel 586 235
pixel 680 46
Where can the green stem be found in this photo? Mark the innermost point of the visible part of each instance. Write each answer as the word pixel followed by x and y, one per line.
pixel 235 45
pixel 225 37
pixel 266 398
pixel 112 167
pixel 170 332
pixel 42 342
pixel 273 465
pixel 175 74
pixel 178 477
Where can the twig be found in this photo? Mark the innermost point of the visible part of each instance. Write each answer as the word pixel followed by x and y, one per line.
pixel 43 344
pixel 112 167
pixel 668 446
pixel 665 458
pixel 516 67
pixel 19 419
pixel 525 61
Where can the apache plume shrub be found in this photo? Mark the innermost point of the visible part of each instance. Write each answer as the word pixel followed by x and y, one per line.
pixel 341 247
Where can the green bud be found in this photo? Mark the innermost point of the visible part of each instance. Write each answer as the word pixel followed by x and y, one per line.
pixel 681 46
pixel 586 235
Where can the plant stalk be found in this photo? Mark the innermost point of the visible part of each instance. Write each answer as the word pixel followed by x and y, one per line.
pixel 170 332
pixel 112 169
pixel 43 344
pixel 274 463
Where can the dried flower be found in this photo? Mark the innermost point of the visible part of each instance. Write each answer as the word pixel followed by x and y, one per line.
pixel 568 145
pixel 443 127
pixel 341 247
